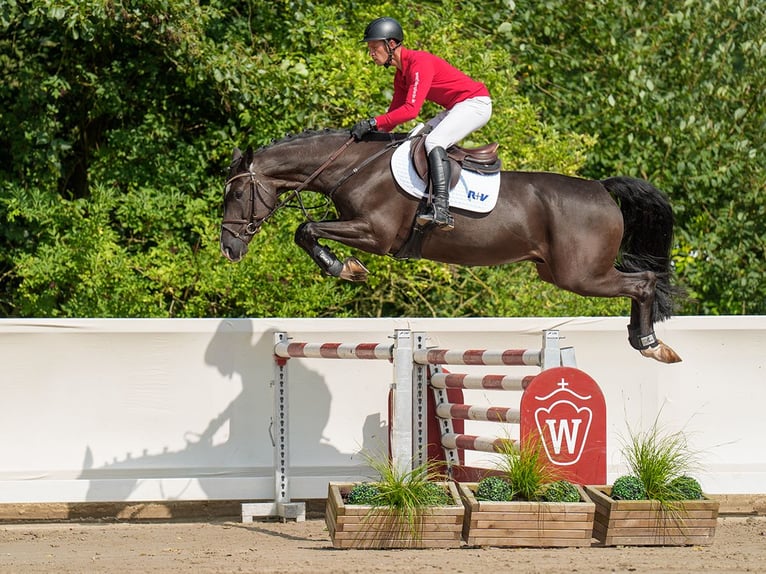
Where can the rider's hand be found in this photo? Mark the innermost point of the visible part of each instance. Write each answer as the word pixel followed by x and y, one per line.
pixel 362 128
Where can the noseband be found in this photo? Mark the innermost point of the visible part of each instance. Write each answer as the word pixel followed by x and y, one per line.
pixel 252 223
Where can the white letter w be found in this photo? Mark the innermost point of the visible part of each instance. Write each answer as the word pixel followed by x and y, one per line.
pixel 563 432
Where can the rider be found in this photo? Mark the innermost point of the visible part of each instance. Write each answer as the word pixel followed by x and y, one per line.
pixel 422 76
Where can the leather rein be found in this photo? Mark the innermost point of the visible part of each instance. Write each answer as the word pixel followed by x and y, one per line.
pixel 253 223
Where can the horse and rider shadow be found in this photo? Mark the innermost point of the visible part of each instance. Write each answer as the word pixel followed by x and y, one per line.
pixel 239 441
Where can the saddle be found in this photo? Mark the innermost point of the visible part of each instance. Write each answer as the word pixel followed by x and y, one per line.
pixel 481 160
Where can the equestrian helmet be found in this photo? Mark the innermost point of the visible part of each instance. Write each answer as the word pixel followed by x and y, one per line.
pixel 384 29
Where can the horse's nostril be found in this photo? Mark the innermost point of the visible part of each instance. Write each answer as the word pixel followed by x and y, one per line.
pixel 231 254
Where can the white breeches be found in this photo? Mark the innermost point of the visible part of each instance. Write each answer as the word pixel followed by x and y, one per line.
pixel 451 126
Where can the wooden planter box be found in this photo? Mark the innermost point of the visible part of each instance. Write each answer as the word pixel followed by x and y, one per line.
pixel 361 526
pixel 520 523
pixel 646 523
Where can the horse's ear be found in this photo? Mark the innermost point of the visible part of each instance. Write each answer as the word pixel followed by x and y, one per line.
pixel 235 156
pixel 249 157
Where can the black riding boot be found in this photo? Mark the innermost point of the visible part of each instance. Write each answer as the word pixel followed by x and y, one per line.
pixel 439 171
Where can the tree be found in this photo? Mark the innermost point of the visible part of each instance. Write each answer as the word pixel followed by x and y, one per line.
pixel 673 93
pixel 117 121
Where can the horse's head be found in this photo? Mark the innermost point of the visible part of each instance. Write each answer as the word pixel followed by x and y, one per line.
pixel 247 202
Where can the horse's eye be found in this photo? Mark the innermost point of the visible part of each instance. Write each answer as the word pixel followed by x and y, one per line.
pixel 228 190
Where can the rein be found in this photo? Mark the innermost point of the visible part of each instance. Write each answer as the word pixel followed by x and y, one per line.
pixel 322 167
pixel 296 193
pixel 362 165
pixel 254 223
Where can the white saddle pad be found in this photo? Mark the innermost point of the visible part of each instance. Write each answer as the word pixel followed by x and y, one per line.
pixel 474 191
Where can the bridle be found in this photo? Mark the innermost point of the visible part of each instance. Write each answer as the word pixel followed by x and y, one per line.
pixel 252 223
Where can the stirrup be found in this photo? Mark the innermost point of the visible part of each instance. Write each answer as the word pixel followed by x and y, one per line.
pixel 446 222
pixel 439 217
pixel 425 217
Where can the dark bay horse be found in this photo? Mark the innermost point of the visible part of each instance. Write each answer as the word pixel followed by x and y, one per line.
pixel 608 238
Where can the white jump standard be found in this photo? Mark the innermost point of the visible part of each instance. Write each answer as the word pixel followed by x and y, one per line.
pixel 400 353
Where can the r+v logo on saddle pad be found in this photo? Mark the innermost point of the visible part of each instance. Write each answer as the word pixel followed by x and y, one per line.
pixel 477 195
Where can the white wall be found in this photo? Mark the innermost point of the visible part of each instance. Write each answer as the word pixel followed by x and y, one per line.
pixel 134 409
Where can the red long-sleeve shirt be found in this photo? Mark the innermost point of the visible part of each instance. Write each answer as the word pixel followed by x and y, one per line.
pixel 426 77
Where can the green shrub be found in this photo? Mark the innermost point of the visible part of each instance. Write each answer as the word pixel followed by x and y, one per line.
pixel 560 491
pixel 405 495
pixel 525 465
pixel 435 495
pixel 657 458
pixel 494 488
pixel 369 493
pixel 628 487
pixel 363 493
pixel 685 488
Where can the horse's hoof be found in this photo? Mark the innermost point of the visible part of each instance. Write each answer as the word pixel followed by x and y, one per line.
pixel 662 353
pixel 353 270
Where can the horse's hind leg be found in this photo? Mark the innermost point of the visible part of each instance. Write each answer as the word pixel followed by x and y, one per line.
pixel 642 337
pixel 639 287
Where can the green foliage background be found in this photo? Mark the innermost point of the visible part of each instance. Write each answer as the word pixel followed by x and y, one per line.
pixel 117 121
pixel 675 93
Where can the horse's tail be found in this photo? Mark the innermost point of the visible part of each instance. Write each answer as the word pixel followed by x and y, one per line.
pixel 648 236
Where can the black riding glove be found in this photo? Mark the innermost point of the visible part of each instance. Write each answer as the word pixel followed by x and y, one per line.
pixel 362 128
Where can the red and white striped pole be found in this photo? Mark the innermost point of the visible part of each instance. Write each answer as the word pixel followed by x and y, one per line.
pixel 288 350
pixel 508 357
pixel 480 443
pixel 443 380
pixel 477 413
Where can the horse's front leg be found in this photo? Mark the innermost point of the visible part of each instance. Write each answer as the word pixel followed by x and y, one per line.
pixel 352 233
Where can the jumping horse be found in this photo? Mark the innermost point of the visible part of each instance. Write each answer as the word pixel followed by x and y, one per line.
pixel 608 238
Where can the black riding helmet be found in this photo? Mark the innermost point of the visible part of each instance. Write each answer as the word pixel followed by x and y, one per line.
pixel 384 29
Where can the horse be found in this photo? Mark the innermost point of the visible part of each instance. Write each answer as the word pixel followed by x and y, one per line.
pixel 607 238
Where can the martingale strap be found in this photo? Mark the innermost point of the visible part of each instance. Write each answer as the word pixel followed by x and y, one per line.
pixel 362 165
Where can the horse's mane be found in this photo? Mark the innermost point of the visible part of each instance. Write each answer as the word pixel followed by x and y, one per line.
pixel 328 132
pixel 307 134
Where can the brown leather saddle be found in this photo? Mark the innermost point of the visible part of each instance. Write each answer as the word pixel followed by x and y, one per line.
pixel 481 159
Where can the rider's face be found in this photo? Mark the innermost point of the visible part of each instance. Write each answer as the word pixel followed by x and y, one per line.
pixel 377 51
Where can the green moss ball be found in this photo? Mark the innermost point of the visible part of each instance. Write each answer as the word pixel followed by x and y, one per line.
pixel 494 488
pixel 628 487
pixel 561 491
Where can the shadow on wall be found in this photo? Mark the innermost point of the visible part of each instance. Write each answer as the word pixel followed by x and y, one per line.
pixel 238 441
